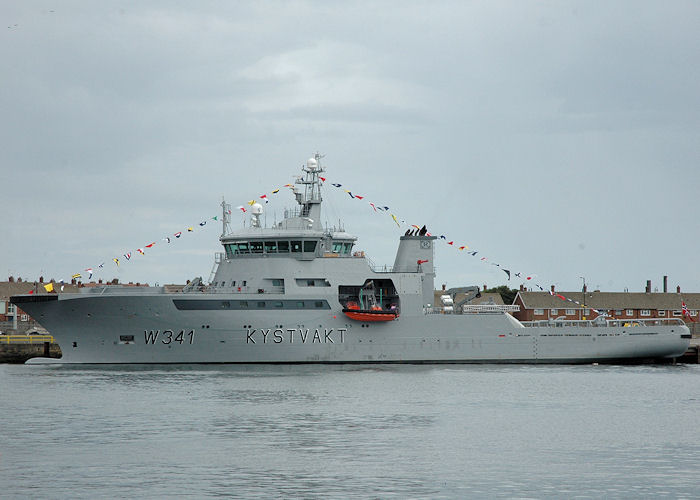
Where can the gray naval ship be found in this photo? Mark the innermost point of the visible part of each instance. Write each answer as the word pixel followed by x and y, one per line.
pixel 297 292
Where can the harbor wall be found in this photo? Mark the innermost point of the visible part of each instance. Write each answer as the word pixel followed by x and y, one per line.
pixel 19 353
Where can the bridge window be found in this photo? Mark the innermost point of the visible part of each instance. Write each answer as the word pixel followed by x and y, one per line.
pixel 296 246
pixel 270 247
pixel 310 246
pixel 283 246
pixel 347 247
pixel 337 246
pixel 256 247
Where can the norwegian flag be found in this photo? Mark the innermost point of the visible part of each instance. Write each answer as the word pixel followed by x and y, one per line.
pixel 686 312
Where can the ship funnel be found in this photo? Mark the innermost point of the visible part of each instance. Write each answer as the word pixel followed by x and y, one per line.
pixel 416 255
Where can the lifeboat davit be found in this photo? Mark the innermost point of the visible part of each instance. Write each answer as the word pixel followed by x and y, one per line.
pixel 375 313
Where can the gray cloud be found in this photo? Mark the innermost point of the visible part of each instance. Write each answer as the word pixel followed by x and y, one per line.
pixel 560 138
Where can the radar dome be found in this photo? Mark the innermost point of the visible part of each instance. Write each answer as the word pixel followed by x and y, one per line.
pixel 256 209
pixel 311 164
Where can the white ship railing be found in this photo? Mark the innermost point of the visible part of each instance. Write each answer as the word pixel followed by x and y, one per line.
pixel 475 309
pixel 489 308
pixel 237 290
pixel 626 323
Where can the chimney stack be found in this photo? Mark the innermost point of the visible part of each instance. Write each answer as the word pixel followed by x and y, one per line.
pixel 444 286
pixel 484 287
pixel 552 288
pixel 522 287
pixel 665 284
pixel 678 289
pixel 648 290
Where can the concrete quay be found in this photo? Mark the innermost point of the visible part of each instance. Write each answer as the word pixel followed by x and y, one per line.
pixel 20 348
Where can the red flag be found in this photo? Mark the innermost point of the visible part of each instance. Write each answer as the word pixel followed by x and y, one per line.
pixel 450 242
pixel 150 244
pixel 30 292
pixel 322 178
pixel 421 262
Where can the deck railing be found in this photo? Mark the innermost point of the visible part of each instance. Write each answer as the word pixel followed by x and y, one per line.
pixel 626 323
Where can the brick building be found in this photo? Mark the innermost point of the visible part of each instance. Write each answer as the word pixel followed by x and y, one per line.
pixel 536 306
pixel 14 320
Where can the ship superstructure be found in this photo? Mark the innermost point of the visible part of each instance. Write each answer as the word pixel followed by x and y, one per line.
pixel 299 292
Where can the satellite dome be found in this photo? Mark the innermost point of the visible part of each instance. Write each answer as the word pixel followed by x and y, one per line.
pixel 256 209
pixel 311 164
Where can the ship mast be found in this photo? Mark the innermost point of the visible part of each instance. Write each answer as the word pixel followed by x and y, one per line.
pixel 225 217
pixel 310 201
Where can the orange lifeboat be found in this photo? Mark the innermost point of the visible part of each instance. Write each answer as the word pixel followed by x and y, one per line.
pixel 375 313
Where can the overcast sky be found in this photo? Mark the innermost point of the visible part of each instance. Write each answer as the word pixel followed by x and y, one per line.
pixel 559 138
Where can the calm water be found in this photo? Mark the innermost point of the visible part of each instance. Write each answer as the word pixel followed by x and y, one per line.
pixel 447 431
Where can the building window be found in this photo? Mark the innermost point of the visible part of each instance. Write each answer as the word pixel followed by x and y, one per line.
pixel 539 312
pixel 570 312
pixel 630 312
pixel 24 317
pixel 677 313
pixel 555 312
pixel 645 312
pixel 618 312
pixel 11 309
pixel 693 313
pixel 662 312
pixel 586 312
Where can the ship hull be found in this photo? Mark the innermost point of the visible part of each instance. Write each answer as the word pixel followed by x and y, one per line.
pixel 152 329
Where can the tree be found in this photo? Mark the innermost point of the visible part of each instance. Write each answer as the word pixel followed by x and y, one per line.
pixel 507 294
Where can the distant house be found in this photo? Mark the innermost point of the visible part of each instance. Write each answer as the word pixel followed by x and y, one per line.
pixel 12 318
pixel 535 306
pixel 15 320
